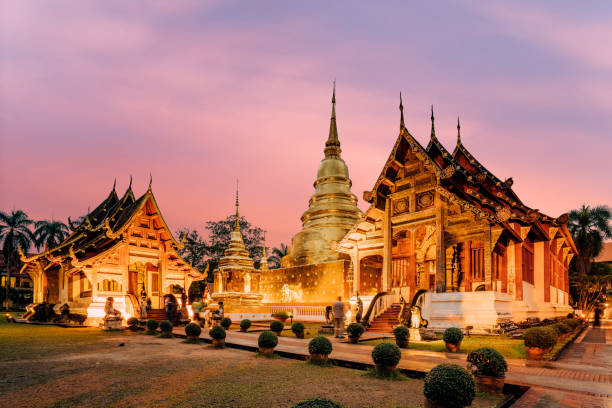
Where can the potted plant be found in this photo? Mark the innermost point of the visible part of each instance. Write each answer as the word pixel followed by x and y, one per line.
pixel 166 328
pixel 277 327
pixel 281 316
pixel 452 338
pixel 449 386
pixel 298 329
pixel 401 334
pixel 489 368
pixel 386 356
pixel 538 340
pixel 355 330
pixel 133 323
pixel 217 333
pixel 152 326
pixel 318 402
pixel 319 348
pixel 266 342
pixel 245 324
pixel 226 322
pixel 192 331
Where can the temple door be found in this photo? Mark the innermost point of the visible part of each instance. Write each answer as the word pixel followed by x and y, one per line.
pixel 133 283
pixel 154 286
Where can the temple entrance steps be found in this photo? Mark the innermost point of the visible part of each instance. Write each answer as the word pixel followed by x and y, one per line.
pixel 384 322
pixel 157 314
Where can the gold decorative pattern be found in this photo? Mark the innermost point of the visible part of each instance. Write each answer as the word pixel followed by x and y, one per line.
pixel 425 200
pixel 401 206
pixel 503 214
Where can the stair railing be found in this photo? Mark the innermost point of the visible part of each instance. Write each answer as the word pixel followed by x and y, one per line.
pixel 381 302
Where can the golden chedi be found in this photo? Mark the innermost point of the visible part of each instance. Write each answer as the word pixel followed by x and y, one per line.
pixel 332 209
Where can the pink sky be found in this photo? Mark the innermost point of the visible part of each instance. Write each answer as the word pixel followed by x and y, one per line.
pixel 200 93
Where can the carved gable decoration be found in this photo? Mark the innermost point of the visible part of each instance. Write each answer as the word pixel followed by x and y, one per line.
pixel 401 206
pixel 503 214
pixel 424 200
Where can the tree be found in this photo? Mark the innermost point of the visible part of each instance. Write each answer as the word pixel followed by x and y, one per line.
pixel 194 250
pixel 589 290
pixel 589 227
pixel 277 253
pixel 15 233
pixel 49 233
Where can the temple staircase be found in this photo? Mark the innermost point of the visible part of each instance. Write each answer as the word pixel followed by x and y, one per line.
pixel 384 322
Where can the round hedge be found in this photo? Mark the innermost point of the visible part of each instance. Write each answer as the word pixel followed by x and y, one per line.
pixel 450 386
pixel 245 324
pixel 267 339
pixel 133 322
pixel 226 322
pixel 193 330
pixel 277 326
pixel 452 335
pixel 320 345
pixel 165 326
pixel 152 324
pixel 573 323
pixel 541 337
pixel 355 329
pixel 297 328
pixel 318 403
pixel 401 332
pixel 387 354
pixel 562 328
pixel 488 361
pixel 217 332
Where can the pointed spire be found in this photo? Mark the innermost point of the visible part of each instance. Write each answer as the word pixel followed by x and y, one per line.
pixel 332 146
pixel 401 107
pixel 130 186
pixel 237 221
pixel 458 131
pixel 114 184
pixel 433 129
pixel 263 264
pixel 150 180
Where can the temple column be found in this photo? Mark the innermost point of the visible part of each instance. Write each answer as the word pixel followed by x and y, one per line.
pixel 539 256
pixel 356 270
pixel 440 245
pixel 488 257
pixel 387 244
pixel 511 270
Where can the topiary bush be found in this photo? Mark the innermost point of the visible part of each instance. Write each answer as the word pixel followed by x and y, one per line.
pixel 267 339
pixel 165 326
pixel 572 323
pixel 133 323
pixel 401 332
pixel 562 328
pixel 245 324
pixel 487 361
pixel 152 325
pixel 452 335
pixel 318 403
pixel 386 354
pixel 320 345
pixel 449 385
pixel 355 329
pixel 297 328
pixel 540 337
pixel 282 315
pixel 217 332
pixel 226 322
pixel 193 330
pixel 277 326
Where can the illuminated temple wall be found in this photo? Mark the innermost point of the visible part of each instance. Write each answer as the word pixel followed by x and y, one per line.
pixel 318 283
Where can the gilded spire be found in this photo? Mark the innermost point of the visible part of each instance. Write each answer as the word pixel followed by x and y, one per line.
pixel 458 131
pixel 433 129
pixel 237 221
pixel 401 107
pixel 150 180
pixel 264 257
pixel 332 146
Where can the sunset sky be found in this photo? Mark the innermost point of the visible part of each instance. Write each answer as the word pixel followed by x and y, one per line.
pixel 201 93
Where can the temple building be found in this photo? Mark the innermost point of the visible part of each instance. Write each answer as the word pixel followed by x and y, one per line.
pixel 123 249
pixel 446 234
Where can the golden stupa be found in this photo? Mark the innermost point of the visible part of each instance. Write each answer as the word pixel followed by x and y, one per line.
pixel 332 209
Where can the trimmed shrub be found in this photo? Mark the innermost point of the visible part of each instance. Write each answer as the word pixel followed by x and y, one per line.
pixel 165 326
pixel 193 330
pixel 355 329
pixel 450 386
pixel 452 335
pixel 541 337
pixel 562 328
pixel 245 324
pixel 401 332
pixel 226 322
pixel 267 339
pixel 277 326
pixel 152 324
pixel 133 323
pixel 487 361
pixel 297 328
pixel 572 323
pixel 386 354
pixel 217 332
pixel 318 403
pixel 320 345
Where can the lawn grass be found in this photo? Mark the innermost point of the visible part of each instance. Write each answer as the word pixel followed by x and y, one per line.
pixel 507 346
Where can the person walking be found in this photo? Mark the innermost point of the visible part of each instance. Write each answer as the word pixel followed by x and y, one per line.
pixel 338 310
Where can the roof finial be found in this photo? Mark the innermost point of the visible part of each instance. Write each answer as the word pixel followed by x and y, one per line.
pixel 401 107
pixel 130 186
pixel 150 180
pixel 332 146
pixel 433 129
pixel 114 184
pixel 458 131
pixel 237 222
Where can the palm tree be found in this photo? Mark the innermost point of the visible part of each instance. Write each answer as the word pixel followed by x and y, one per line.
pixel 277 253
pixel 589 227
pixel 49 233
pixel 15 233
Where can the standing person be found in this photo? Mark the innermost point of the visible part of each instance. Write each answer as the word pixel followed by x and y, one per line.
pixel 197 306
pixel 359 314
pixel 143 310
pixel 338 309
pixel 170 310
pixel 149 307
